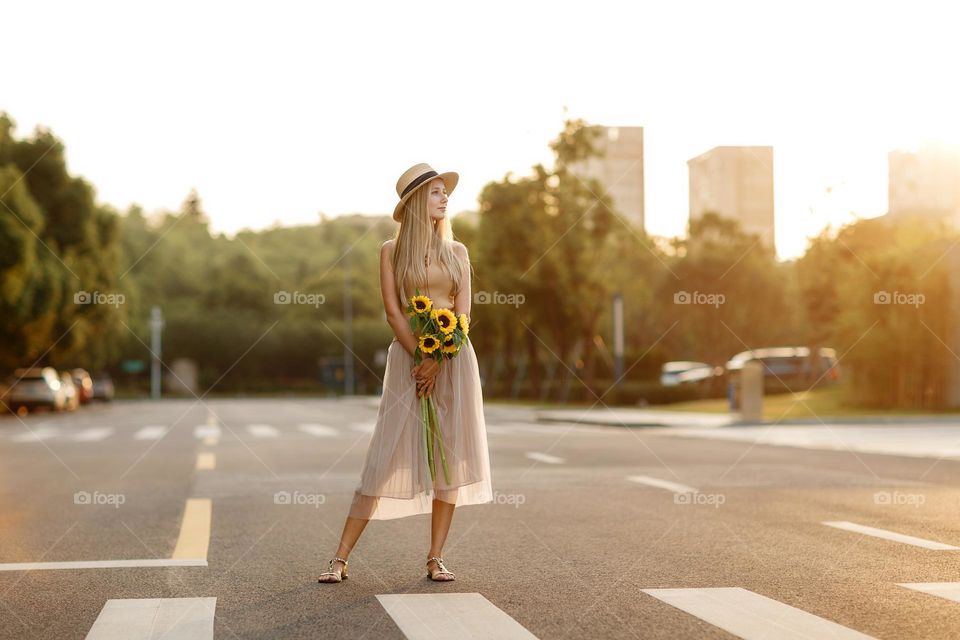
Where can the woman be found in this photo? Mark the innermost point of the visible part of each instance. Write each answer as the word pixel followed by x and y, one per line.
pixel 395 481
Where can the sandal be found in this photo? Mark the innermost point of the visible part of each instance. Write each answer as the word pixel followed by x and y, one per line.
pixel 340 576
pixel 441 570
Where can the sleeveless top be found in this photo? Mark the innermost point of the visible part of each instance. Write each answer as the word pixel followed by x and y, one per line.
pixel 439 288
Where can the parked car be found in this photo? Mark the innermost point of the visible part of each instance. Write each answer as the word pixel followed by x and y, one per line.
pixel 103 387
pixel 679 371
pixel 788 367
pixel 71 395
pixel 84 384
pixel 35 387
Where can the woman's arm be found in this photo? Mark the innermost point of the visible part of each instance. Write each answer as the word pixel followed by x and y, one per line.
pixel 461 304
pixel 396 316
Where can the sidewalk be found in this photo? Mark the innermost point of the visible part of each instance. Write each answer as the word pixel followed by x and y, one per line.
pixel 624 417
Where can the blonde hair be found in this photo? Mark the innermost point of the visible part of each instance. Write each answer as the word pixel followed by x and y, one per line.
pixel 416 238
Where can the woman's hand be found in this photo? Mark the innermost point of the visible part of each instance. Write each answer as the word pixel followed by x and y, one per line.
pixel 426 376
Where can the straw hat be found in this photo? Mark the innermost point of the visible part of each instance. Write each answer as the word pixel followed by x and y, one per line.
pixel 417 175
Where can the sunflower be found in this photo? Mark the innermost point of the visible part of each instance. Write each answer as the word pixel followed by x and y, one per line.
pixel 428 344
pixel 464 324
pixel 421 304
pixel 449 345
pixel 445 320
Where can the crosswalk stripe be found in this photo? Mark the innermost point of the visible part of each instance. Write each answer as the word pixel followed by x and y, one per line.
pixel 36 435
pixel 676 487
pixel 152 432
pixel 364 427
pixel 319 430
pixel 146 618
pixel 544 457
pixel 752 616
pixel 947 590
pixel 422 616
pixel 95 434
pixel 206 431
pixel 262 431
pixel 206 461
pixel 890 535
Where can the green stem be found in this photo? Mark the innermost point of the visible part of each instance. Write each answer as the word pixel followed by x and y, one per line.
pixel 426 435
pixel 431 456
pixel 439 437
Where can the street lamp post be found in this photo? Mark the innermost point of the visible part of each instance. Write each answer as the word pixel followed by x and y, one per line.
pixel 156 327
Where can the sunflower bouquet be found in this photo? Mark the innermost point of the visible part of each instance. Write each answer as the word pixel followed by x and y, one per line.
pixel 440 334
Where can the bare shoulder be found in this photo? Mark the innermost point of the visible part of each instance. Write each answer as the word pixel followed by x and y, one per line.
pixel 387 247
pixel 460 249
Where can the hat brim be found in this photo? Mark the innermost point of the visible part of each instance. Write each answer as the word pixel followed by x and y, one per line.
pixel 450 180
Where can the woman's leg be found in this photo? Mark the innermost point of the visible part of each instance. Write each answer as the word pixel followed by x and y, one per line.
pixel 352 528
pixel 440 524
pixel 441 518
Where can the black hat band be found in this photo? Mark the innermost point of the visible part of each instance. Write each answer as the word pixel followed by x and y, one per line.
pixel 416 183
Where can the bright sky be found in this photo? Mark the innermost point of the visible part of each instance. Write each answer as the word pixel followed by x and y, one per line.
pixel 278 111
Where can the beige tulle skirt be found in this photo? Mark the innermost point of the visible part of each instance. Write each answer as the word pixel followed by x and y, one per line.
pixel 395 481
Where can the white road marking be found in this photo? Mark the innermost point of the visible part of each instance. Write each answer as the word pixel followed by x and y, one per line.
pixel 751 616
pixel 423 616
pixel 544 457
pixel 364 427
pixel 890 535
pixel 206 461
pixel 36 435
pixel 152 432
pixel 96 434
pixel 103 564
pixel 206 431
pixel 262 431
pixel 148 618
pixel 676 487
pixel 947 590
pixel 319 430
pixel 191 549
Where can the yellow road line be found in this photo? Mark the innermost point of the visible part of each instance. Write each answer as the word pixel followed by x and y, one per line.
pixel 194 530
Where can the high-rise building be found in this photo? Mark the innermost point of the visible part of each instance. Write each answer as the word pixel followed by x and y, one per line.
pixel 925 182
pixel 735 183
pixel 619 170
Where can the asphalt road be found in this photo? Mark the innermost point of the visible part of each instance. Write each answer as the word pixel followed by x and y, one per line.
pixel 595 531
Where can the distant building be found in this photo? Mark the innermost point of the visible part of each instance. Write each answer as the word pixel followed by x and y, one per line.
pixel 620 170
pixel 736 183
pixel 925 182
